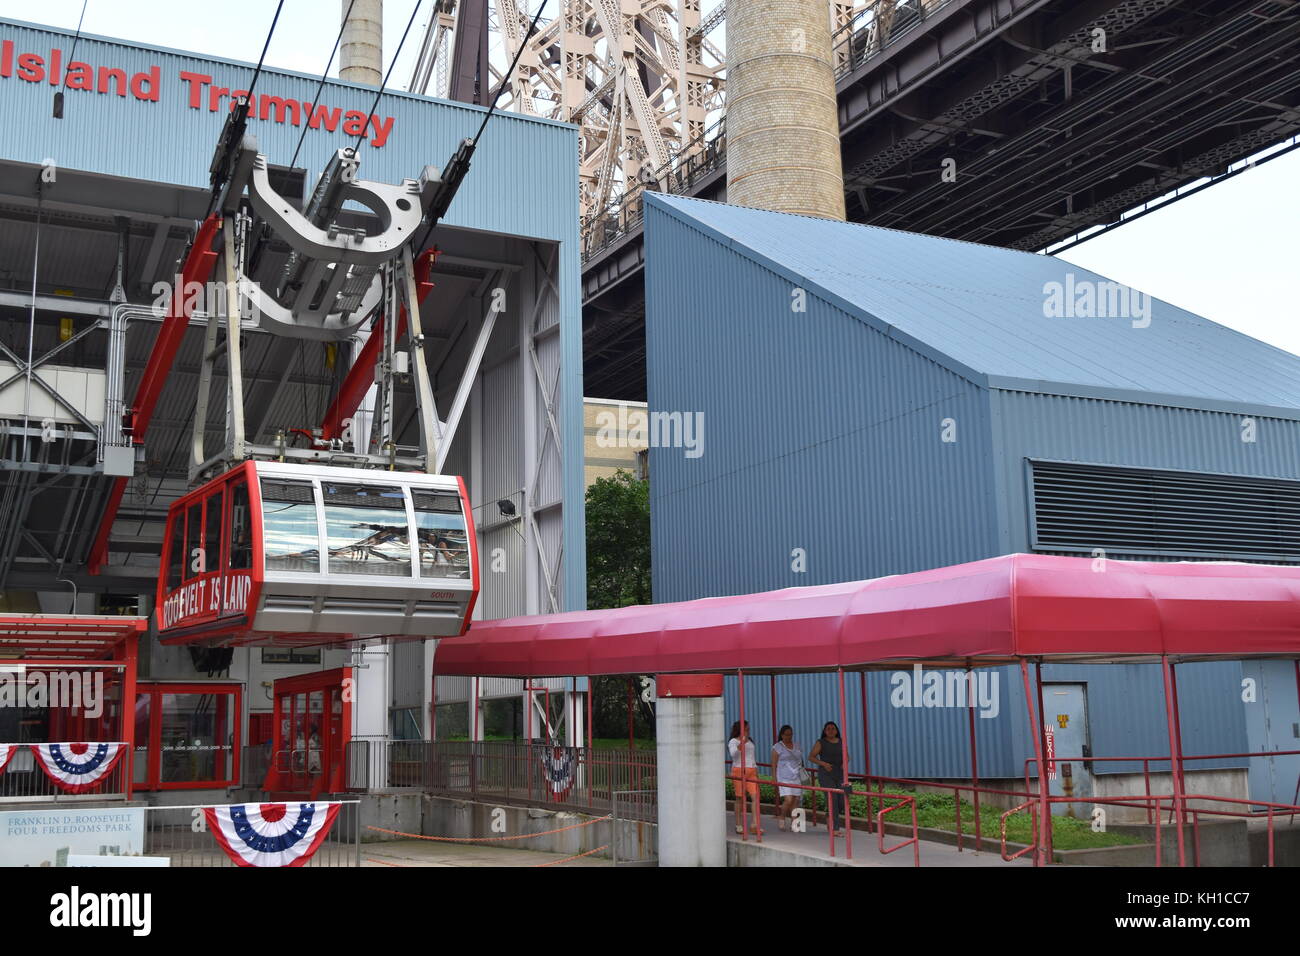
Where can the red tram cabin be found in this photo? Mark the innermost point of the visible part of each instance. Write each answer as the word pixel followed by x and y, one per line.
pixel 276 553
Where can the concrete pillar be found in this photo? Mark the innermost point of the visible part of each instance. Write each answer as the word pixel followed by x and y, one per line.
pixel 783 144
pixel 691 766
pixel 361 51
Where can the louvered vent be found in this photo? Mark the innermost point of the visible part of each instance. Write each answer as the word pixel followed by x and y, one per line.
pixel 1168 513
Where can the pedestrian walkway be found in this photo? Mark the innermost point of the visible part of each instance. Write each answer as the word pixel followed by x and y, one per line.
pixel 812 848
pixel 428 853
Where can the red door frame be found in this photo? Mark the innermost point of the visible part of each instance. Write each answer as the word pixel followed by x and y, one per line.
pixel 156 690
pixel 338 680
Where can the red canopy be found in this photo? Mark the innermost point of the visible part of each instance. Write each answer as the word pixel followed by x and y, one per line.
pixel 88 637
pixel 986 612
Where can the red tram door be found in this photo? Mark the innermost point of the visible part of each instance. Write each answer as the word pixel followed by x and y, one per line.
pixel 312 725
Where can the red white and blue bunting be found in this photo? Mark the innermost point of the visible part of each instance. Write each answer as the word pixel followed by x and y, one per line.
pixel 78 767
pixel 7 752
pixel 558 766
pixel 271 834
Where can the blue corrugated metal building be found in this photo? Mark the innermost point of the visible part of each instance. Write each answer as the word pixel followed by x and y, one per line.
pixel 876 402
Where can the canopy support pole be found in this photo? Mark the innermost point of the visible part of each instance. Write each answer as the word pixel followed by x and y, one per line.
pixel 1047 787
pixel 771 686
pixel 1175 751
pixel 866 750
pixel 741 788
pixel 1035 732
pixel 844 767
pixel 974 756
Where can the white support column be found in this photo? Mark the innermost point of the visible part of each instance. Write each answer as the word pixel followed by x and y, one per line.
pixel 690 747
pixel 475 708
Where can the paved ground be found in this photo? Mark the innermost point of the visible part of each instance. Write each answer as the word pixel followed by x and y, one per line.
pixel 434 853
pixel 815 843
pixel 775 845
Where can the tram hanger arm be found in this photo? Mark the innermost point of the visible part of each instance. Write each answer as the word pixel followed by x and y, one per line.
pixel 362 373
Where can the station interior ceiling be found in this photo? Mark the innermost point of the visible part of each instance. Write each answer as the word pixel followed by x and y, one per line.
pixel 49 516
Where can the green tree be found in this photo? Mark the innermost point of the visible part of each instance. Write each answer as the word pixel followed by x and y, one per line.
pixel 618 574
pixel 618 541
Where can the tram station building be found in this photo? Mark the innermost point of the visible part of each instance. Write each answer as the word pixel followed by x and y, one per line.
pixel 97 208
pixel 879 402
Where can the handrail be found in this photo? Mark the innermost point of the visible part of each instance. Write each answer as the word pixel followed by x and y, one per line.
pixel 848 819
pixel 914 842
pixel 1033 824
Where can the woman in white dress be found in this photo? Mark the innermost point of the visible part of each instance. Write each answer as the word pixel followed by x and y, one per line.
pixel 787 758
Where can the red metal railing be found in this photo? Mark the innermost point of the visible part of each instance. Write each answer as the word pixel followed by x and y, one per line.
pixel 742 814
pixel 914 842
pixel 1033 826
pixel 1147 761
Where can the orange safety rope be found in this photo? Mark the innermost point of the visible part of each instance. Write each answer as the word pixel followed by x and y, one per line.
pixel 521 836
pixel 568 858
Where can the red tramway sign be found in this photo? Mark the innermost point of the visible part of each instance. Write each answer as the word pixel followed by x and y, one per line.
pixel 277 553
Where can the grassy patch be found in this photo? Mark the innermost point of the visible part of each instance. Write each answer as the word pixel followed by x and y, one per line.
pixel 936 810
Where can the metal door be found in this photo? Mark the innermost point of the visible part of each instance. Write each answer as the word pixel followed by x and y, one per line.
pixel 1065 711
pixel 1269 693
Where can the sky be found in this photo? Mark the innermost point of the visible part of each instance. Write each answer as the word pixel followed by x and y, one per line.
pixel 1230 252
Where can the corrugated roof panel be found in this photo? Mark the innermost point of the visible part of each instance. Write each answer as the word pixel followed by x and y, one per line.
pixel 981 309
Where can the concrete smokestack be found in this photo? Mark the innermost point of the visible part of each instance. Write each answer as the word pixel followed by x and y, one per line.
pixel 361 52
pixel 783 144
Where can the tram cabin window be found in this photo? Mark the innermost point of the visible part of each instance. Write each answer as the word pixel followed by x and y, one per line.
pixel 366 529
pixel 176 554
pixel 212 532
pixel 290 538
pixel 241 529
pixel 193 544
pixel 444 546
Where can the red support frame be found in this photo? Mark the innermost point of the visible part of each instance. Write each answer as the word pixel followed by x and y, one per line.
pixel 156 691
pixel 199 263
pixel 362 373
pixel 129 654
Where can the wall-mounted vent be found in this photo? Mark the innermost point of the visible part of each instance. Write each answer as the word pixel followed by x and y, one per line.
pixel 1183 514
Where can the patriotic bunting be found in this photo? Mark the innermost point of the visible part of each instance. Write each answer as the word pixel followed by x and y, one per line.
pixel 272 834
pixel 78 767
pixel 7 752
pixel 558 767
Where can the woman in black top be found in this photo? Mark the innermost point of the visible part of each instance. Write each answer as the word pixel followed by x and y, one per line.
pixel 828 755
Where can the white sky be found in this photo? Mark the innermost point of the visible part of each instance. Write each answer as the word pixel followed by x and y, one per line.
pixel 1230 252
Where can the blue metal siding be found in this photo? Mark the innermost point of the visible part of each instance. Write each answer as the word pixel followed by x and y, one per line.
pixel 1063 428
pixel 1126 717
pixel 905 742
pixel 820 433
pixel 1126 711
